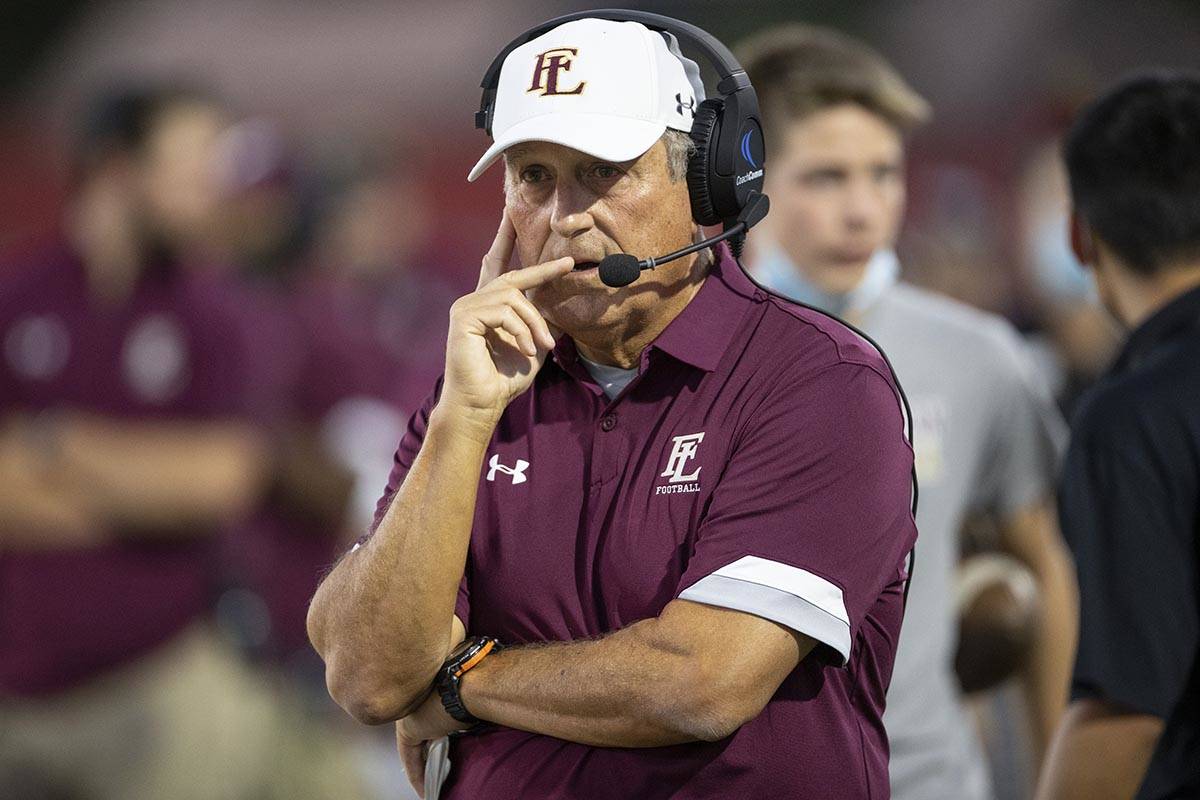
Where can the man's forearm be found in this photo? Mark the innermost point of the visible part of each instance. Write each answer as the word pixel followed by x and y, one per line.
pixel 1049 671
pixel 1033 538
pixel 612 692
pixel 382 618
pixel 1099 753
pixel 661 681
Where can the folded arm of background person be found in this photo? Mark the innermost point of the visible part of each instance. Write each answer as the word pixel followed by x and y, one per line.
pixel 135 477
pixel 1031 535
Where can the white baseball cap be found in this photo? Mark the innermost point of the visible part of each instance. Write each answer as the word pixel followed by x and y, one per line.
pixel 609 89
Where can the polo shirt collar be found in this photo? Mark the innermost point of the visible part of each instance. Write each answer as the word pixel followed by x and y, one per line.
pixel 1175 318
pixel 701 333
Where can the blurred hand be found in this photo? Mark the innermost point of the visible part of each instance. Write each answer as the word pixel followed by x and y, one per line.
pixel 498 340
pixel 414 733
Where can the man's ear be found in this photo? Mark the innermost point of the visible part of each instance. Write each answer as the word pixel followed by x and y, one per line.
pixel 1083 244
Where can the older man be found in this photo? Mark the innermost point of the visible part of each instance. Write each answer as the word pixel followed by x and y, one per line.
pixel 681 507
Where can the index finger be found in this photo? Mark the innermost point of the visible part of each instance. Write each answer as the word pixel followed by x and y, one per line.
pixel 529 277
pixel 500 252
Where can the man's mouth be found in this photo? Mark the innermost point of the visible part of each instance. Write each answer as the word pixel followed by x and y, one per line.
pixel 583 266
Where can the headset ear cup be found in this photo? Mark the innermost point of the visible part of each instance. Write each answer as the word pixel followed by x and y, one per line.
pixel 699 172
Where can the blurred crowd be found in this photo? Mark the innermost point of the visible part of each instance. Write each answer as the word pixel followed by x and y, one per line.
pixel 204 370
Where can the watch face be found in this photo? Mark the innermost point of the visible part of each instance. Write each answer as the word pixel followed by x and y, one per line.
pixel 463 648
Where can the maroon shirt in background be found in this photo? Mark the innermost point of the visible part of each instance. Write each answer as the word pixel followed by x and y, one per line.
pixel 178 348
pixel 340 341
pixel 592 515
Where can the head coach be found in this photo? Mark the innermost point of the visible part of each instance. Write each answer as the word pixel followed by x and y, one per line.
pixel 1130 488
pixel 649 535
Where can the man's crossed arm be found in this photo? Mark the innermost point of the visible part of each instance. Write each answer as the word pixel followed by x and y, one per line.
pixel 694 673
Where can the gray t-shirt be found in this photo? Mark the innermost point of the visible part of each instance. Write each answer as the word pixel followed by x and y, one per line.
pixel 612 380
pixel 987 437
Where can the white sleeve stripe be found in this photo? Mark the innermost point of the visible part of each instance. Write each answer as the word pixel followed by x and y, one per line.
pixel 795 581
pixel 774 604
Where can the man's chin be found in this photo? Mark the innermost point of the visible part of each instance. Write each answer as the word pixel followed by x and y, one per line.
pixel 839 278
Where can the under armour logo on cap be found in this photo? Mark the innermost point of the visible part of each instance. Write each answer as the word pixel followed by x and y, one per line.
pixel 681 104
pixel 517 473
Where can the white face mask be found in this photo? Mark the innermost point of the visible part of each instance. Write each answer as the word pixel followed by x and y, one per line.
pixel 777 272
pixel 1058 275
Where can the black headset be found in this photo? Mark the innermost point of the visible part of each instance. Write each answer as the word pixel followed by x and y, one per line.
pixel 728 163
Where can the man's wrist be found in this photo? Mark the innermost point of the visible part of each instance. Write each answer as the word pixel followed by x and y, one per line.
pixel 462 661
pixel 475 424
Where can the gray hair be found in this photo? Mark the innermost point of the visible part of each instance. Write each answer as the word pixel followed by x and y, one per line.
pixel 680 149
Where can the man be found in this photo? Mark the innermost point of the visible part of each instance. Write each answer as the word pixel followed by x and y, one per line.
pixel 1130 489
pixel 686 517
pixel 837 116
pixel 129 397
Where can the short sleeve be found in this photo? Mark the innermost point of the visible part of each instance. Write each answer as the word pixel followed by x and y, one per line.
pixel 406 454
pixel 1134 546
pixel 1027 435
pixel 811 518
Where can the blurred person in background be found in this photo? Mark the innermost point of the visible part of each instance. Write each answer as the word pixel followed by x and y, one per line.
pixel 131 397
pixel 986 436
pixel 1130 489
pixel 352 321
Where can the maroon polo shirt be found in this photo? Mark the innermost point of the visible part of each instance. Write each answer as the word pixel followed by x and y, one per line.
pixel 757 462
pixel 176 349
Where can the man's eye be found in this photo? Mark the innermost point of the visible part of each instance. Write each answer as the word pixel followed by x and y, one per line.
pixel 606 171
pixel 533 175
pixel 887 173
pixel 822 178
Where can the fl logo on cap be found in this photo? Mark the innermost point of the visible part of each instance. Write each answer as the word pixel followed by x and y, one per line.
pixel 546 70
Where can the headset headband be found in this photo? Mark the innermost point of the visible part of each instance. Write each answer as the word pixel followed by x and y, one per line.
pixel 731 76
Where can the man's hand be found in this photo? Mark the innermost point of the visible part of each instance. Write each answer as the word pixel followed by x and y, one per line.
pixel 498 339
pixel 414 734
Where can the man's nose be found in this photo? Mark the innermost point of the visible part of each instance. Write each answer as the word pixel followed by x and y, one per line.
pixel 572 215
pixel 862 204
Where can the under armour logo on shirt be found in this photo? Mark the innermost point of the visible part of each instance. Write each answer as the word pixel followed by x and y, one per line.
pixel 517 473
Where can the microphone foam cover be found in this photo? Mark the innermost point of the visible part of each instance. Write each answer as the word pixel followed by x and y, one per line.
pixel 619 269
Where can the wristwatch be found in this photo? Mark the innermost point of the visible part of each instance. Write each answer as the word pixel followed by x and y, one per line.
pixel 461 660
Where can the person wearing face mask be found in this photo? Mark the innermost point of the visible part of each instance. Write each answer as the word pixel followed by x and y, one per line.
pixel 986 437
pixel 656 534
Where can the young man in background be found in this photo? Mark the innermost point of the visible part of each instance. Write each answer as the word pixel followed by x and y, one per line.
pixel 986 437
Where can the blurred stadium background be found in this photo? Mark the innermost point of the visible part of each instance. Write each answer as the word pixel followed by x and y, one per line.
pixel 347 146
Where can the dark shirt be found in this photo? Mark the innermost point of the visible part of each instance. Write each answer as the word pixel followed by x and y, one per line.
pixel 758 462
pixel 174 350
pixel 1130 510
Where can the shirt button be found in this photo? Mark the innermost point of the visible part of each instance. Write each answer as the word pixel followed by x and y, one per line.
pixel 608 422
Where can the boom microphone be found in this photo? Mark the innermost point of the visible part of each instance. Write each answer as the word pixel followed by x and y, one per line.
pixel 622 269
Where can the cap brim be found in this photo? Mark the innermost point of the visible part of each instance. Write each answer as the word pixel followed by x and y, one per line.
pixel 609 138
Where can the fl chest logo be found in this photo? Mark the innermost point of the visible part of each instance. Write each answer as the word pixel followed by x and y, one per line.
pixel 683 477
